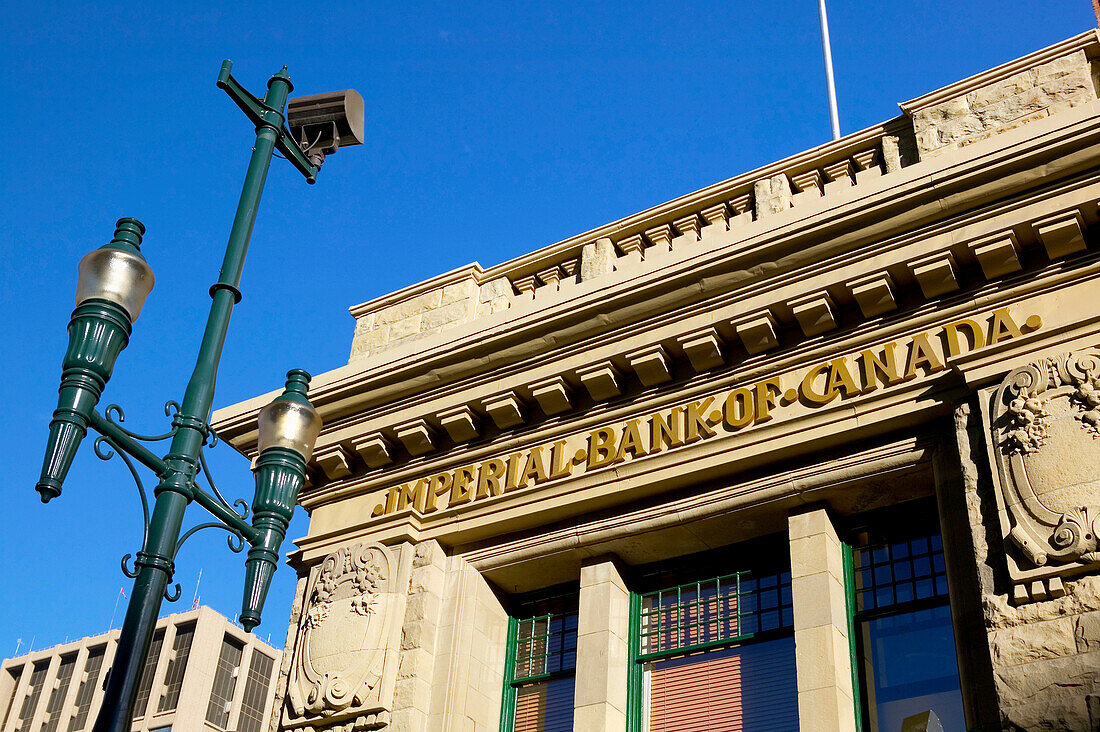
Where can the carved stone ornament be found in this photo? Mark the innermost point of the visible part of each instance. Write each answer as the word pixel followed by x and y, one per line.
pixel 1044 428
pixel 345 657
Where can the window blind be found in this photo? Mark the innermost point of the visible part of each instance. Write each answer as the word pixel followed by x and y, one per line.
pixel 751 687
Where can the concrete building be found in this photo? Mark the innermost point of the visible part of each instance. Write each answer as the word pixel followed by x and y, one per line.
pixel 814 448
pixel 202 673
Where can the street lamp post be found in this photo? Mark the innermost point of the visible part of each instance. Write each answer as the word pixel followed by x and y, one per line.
pixel 114 282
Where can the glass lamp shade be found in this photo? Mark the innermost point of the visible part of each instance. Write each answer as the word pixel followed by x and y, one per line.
pixel 289 424
pixel 112 274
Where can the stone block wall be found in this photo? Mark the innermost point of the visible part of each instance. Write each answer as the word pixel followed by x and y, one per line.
pixel 425 313
pixel 419 639
pixel 1004 105
pixel 468 673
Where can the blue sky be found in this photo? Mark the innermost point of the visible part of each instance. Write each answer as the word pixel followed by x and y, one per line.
pixel 493 129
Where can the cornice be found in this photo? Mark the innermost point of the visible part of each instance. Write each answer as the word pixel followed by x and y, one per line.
pixel 919 193
pixel 1027 285
pixel 1088 41
pixel 473 271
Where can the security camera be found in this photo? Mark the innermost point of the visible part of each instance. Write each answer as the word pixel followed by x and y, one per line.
pixel 323 123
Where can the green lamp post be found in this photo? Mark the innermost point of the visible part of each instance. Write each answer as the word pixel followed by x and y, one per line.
pixel 114 282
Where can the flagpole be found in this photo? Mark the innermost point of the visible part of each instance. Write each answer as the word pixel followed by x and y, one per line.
pixel 834 117
pixel 121 593
pixel 195 600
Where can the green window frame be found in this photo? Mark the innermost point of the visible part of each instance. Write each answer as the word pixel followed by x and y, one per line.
pixel 712 611
pixel 542 643
pixel 893 565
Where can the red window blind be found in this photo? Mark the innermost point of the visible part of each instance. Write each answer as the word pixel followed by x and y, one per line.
pixel 545 706
pixel 749 687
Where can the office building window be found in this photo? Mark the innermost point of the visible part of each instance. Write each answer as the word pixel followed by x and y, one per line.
pixel 57 695
pixel 715 652
pixel 904 643
pixel 542 661
pixel 141 701
pixel 225 682
pixel 14 674
pixel 177 665
pixel 255 693
pixel 34 692
pixel 86 691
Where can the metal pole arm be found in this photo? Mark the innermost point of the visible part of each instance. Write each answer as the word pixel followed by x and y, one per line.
pixel 264 116
pixel 226 515
pixel 127 444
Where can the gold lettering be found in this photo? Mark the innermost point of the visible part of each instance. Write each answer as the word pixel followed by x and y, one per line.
pixel 973 342
pixel 511 482
pixel 462 488
pixel 415 496
pixel 840 379
pixel 874 369
pixel 438 485
pixel 1003 327
pixel 391 500
pixel 489 474
pixel 806 388
pixel 766 392
pixel 922 353
pixel 601 447
pixel 697 425
pixel 631 442
pixel 739 410
pixel 535 469
pixel 561 463
pixel 666 433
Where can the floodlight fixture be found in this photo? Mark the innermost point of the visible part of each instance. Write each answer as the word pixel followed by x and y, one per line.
pixel 323 123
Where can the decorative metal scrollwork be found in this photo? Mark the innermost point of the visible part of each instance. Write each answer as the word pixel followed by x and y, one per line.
pixel 106 448
pixel 114 409
pixel 97 447
pixel 234 546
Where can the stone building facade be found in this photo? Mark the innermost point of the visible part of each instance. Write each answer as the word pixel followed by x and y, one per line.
pixel 814 448
pixel 202 674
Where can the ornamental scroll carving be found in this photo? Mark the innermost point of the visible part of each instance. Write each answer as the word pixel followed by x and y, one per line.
pixel 1044 427
pixel 345 657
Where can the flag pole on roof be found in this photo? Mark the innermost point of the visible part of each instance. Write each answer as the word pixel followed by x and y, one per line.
pixel 834 118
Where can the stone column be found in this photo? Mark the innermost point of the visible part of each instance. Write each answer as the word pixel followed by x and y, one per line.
pixel 419 638
pixel 468 668
pixel 603 621
pixel 822 651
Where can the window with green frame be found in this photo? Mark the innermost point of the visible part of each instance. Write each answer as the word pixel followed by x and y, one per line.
pixel 903 643
pixel 713 646
pixel 541 662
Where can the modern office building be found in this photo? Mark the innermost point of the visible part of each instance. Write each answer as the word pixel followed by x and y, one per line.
pixel 813 448
pixel 202 673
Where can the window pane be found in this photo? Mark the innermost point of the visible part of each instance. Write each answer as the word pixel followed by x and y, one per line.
pixel 750 687
pixel 714 610
pixel 57 696
pixel 177 665
pixel 86 690
pixel 147 674
pixel 255 693
pixel 14 674
pixel 545 706
pixel 546 636
pixel 545 655
pixel 225 682
pixel 910 667
pixel 901 571
pixel 34 692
